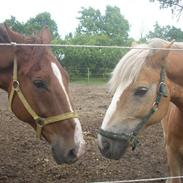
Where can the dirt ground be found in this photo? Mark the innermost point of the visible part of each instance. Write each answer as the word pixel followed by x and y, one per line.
pixel 24 160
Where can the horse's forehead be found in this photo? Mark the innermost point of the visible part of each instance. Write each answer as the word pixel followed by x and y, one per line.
pixel 45 55
pixel 144 78
pixel 45 60
pixel 41 67
pixel 147 74
pixel 54 69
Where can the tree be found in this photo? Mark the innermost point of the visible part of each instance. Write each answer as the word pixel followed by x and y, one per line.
pixel 14 24
pixel 116 26
pixel 91 21
pixel 41 20
pixel 100 61
pixel 34 24
pixel 166 32
pixel 175 5
pixel 112 24
pixel 96 29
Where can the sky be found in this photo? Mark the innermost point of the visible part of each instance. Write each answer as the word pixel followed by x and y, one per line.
pixel 141 14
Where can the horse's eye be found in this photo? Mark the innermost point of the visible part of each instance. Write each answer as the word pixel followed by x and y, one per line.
pixel 141 91
pixel 40 84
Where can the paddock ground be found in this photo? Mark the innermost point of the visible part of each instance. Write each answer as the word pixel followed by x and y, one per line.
pixel 24 160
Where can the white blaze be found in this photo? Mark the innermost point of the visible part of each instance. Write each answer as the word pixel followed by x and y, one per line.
pixel 113 106
pixel 78 137
pixel 58 75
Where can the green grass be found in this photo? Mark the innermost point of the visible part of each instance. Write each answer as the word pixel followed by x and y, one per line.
pixel 92 81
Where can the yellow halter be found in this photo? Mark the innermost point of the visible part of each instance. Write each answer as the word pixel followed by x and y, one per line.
pixel 40 122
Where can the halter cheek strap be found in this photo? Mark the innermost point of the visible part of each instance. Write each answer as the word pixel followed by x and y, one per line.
pixel 39 121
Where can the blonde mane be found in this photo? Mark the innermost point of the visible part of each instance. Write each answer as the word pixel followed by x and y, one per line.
pixel 128 68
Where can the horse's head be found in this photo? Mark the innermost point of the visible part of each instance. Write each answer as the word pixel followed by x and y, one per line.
pixel 43 83
pixel 141 98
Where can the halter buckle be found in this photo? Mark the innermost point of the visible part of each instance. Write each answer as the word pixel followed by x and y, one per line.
pixel 155 105
pixel 163 89
pixel 39 125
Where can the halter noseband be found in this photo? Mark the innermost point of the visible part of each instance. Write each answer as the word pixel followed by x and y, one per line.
pixel 39 121
pixel 132 137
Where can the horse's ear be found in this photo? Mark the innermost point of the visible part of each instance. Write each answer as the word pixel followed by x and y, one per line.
pixel 45 35
pixel 6 52
pixel 158 58
pixel 4 38
pixel 14 36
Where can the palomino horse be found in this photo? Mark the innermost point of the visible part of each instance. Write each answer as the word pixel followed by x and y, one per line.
pixel 145 83
pixel 38 92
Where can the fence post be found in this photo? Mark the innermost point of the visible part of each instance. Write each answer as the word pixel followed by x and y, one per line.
pixel 88 73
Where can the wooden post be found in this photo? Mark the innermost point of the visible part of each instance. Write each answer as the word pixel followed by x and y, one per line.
pixel 88 74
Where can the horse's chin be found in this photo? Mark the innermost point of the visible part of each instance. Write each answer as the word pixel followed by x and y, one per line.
pixel 114 155
pixel 59 159
pixel 116 149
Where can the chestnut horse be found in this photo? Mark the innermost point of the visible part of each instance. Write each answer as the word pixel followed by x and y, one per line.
pixel 37 87
pixel 148 86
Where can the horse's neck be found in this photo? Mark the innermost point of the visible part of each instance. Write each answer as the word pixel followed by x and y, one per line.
pixel 175 67
pixel 6 65
pixel 176 92
pixel 175 74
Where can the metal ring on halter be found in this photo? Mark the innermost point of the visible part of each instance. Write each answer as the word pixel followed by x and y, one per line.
pixel 161 84
pixel 40 121
pixel 155 104
pixel 163 89
pixel 15 85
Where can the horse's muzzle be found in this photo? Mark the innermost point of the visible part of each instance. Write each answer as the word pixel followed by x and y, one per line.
pixel 112 149
pixel 67 156
pixel 68 159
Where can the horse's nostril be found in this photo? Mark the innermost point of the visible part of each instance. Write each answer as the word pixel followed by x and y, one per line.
pixel 106 146
pixel 72 155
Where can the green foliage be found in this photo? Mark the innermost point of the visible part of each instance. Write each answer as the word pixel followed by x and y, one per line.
pixel 99 61
pixel 96 29
pixel 112 24
pixel 91 21
pixel 15 24
pixel 34 24
pixel 91 81
pixel 169 3
pixel 41 20
pixel 116 26
pixel 175 5
pixel 166 32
